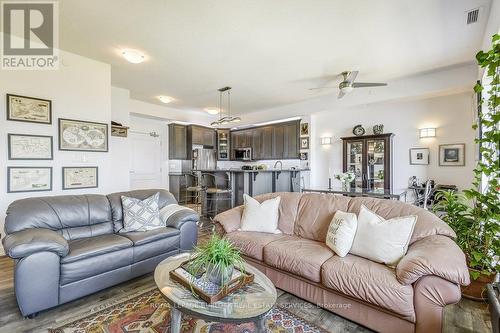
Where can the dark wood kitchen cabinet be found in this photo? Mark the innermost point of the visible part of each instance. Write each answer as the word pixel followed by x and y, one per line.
pixel 266 143
pixel 177 142
pixel 291 140
pixel 202 136
pixel 278 142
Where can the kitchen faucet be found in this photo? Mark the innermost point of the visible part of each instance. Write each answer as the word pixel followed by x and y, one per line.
pixel 281 165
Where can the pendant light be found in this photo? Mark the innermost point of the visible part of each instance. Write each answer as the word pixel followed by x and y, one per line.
pixel 224 120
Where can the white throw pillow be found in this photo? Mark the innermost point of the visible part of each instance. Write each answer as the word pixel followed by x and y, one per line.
pixel 261 217
pixel 141 215
pixel 341 232
pixel 381 240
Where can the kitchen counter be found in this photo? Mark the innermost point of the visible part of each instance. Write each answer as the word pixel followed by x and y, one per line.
pixel 253 171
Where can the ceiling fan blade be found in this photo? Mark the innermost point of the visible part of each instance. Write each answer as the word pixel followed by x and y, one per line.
pixel 319 88
pixel 367 84
pixel 352 76
pixel 341 94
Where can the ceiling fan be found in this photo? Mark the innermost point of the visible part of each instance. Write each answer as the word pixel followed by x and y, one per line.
pixel 348 84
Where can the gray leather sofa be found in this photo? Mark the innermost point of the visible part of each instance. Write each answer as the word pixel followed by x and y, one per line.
pixel 67 247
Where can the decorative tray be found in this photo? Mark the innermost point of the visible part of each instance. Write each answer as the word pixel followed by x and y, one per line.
pixel 206 290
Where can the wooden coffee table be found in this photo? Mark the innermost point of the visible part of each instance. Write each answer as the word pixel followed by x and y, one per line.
pixel 249 304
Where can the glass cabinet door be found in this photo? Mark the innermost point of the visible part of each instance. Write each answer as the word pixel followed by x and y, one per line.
pixel 355 161
pixel 375 164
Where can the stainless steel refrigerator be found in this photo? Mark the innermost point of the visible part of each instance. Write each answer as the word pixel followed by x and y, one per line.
pixel 204 159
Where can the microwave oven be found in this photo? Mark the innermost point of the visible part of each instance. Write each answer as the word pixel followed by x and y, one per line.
pixel 243 154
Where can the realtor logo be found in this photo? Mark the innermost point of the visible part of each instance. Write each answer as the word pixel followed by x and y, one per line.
pixel 30 36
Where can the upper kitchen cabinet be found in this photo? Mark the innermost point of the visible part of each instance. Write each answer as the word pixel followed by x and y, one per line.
pixel 266 151
pixel 202 136
pixel 177 142
pixel 286 140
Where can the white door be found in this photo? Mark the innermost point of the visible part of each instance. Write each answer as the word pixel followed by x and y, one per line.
pixel 145 161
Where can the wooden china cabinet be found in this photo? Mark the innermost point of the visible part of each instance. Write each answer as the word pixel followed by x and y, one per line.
pixel 370 158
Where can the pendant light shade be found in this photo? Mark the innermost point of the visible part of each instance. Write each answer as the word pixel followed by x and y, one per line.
pixel 224 120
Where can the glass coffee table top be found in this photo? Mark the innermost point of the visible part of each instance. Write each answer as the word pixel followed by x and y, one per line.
pixel 247 304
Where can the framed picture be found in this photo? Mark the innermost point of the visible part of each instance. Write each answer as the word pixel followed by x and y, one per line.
pixel 29 109
pixel 304 156
pixel 29 179
pixel 304 143
pixel 452 154
pixel 304 129
pixel 80 135
pixel 419 156
pixel 30 147
pixel 79 177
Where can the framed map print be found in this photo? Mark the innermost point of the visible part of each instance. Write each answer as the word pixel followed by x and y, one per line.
pixel 82 135
pixel 29 179
pixel 79 177
pixel 30 147
pixel 29 109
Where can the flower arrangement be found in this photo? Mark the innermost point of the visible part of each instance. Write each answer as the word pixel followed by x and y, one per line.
pixel 346 178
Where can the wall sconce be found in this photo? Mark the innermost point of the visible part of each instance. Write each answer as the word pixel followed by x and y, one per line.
pixel 327 140
pixel 427 132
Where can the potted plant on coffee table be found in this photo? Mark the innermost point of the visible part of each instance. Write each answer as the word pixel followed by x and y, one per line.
pixel 475 215
pixel 217 257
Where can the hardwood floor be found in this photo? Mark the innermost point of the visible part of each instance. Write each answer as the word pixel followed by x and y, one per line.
pixel 464 317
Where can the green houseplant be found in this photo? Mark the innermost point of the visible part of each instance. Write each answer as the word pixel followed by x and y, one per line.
pixel 218 257
pixel 475 214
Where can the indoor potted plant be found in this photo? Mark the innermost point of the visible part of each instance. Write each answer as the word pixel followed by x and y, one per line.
pixel 217 257
pixel 475 215
pixel 346 179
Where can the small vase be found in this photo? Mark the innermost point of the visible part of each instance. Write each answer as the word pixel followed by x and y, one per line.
pixel 476 290
pixel 218 275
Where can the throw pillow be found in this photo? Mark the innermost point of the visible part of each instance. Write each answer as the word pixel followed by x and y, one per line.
pixel 341 232
pixel 141 215
pixel 381 240
pixel 261 217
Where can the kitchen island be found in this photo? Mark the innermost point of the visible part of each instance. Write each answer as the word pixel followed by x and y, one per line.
pixel 255 182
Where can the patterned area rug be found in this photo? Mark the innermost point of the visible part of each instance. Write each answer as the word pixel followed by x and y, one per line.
pixel 150 313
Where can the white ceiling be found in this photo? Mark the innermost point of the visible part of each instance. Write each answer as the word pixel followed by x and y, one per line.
pixel 269 51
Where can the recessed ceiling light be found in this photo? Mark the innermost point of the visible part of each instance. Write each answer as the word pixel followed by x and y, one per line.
pixel 212 110
pixel 133 56
pixel 166 99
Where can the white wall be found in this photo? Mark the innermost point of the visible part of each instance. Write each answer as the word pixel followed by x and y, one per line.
pixel 452 115
pixel 80 89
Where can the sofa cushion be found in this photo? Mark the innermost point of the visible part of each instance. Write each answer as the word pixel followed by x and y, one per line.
pixel 298 256
pixel 141 215
pixel 315 212
pixel 288 209
pixel 94 246
pixel 427 224
pixel 368 281
pixel 252 243
pixel 144 237
pixel 153 249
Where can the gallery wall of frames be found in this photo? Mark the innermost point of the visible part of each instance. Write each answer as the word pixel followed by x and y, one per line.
pixel 72 135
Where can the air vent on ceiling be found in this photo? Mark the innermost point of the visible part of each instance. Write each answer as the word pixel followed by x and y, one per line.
pixel 472 16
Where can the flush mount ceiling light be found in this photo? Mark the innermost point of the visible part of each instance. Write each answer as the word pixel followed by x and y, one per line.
pixel 224 120
pixel 166 99
pixel 327 140
pixel 212 110
pixel 133 56
pixel 429 132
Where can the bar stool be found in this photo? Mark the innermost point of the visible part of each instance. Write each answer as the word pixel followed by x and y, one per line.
pixel 217 190
pixel 194 192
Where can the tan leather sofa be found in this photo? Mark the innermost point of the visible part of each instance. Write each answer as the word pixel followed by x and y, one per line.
pixel 406 298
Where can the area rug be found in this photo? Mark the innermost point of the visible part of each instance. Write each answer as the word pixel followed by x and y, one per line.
pixel 148 312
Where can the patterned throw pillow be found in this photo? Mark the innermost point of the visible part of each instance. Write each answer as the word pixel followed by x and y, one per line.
pixel 341 232
pixel 141 215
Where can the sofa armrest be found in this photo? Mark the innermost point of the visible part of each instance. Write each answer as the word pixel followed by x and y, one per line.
pixel 23 243
pixel 433 255
pixel 230 219
pixel 179 218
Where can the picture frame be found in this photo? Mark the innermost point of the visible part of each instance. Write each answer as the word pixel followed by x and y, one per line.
pixel 304 129
pixel 452 154
pixel 419 156
pixel 80 135
pixel 30 147
pixel 29 109
pixel 304 143
pixel 304 156
pixel 29 179
pixel 80 177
